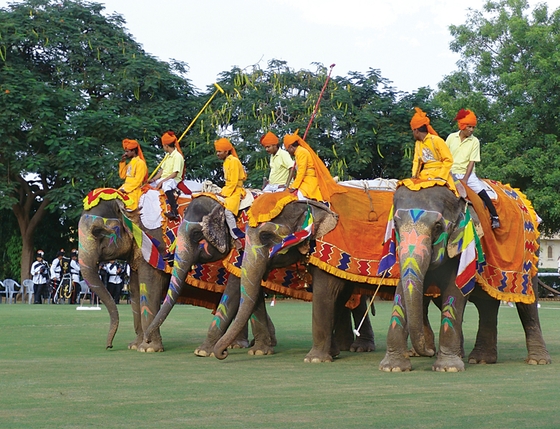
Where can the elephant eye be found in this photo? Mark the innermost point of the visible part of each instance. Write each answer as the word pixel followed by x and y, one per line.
pixel 267 238
pixel 197 236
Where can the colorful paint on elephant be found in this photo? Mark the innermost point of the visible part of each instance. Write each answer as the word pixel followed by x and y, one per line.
pixel 221 312
pixel 397 314
pixel 144 308
pixel 448 314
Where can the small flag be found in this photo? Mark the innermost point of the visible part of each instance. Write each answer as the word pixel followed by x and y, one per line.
pixel 389 254
pixel 295 238
pixel 471 256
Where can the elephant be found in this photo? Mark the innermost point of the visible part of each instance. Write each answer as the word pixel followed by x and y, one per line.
pixel 428 223
pixel 103 236
pixel 204 237
pixel 330 293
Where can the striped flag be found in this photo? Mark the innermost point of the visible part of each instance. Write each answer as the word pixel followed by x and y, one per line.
pixel 146 245
pixel 471 256
pixel 389 255
pixel 295 238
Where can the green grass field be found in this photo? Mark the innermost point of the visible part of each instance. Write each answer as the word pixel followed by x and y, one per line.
pixel 56 373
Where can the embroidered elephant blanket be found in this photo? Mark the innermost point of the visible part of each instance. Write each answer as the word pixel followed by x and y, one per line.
pixel 510 251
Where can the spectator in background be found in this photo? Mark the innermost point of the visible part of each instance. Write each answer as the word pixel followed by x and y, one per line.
pixel 75 272
pixel 114 281
pixel 40 273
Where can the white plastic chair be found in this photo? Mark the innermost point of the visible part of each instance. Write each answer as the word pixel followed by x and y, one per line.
pixel 12 288
pixel 28 290
pixel 84 291
pixel 3 292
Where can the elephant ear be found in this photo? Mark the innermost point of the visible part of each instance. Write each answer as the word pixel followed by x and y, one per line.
pixel 215 230
pixel 456 236
pixel 325 221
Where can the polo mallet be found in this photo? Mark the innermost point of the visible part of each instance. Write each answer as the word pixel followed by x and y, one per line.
pixel 357 330
pixel 218 89
pixel 315 109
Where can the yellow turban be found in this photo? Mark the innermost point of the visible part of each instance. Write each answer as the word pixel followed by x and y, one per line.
pixel 269 139
pixel 420 118
pixel 224 144
pixel 168 138
pixel 464 118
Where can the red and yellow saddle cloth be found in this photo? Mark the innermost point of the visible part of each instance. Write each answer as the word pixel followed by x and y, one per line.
pixel 107 194
pixel 353 249
pixel 511 250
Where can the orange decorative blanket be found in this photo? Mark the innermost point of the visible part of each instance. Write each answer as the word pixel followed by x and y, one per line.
pixel 354 248
pixel 511 250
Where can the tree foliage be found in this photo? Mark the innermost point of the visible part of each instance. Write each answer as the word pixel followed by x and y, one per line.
pixel 361 130
pixel 73 84
pixel 508 74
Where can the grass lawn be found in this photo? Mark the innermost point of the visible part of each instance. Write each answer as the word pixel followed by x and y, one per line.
pixel 55 373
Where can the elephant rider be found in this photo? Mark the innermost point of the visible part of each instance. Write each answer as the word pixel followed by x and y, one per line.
pixel 171 172
pixel 432 158
pixel 135 173
pixel 233 191
pixel 465 148
pixel 313 179
pixel 280 163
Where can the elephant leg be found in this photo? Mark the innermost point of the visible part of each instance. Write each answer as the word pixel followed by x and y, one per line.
pixel 261 331
pixel 226 311
pixel 151 292
pixel 486 345
pixel 365 342
pixel 134 289
pixel 449 356
pixel 343 334
pixel 396 357
pixel 536 347
pixel 326 291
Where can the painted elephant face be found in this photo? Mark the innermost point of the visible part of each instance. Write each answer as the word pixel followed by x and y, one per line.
pixel 107 238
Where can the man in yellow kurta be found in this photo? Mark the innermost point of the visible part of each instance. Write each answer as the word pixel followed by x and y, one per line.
pixel 234 176
pixel 432 158
pixel 306 181
pixel 135 173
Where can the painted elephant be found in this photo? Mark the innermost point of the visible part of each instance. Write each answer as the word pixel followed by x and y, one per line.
pixel 204 237
pixel 427 224
pixel 103 236
pixel 330 293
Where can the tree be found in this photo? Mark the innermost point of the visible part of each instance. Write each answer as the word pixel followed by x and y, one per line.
pixel 73 84
pixel 361 130
pixel 508 76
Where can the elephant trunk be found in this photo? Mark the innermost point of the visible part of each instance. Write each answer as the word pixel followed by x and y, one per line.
pixel 181 267
pixel 254 267
pixel 414 260
pixel 91 276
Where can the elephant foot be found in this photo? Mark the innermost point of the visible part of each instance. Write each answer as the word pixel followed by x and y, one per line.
pixel 203 352
pixel 239 344
pixel 395 362
pixel 261 350
pixel 483 357
pixel 448 364
pixel 362 345
pixel 151 347
pixel 542 358
pixel 315 356
pixel 133 345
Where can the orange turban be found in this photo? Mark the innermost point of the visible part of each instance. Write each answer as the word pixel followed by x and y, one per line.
pixel 464 118
pixel 168 138
pixel 420 118
pixel 290 139
pixel 224 144
pixel 128 144
pixel 269 139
